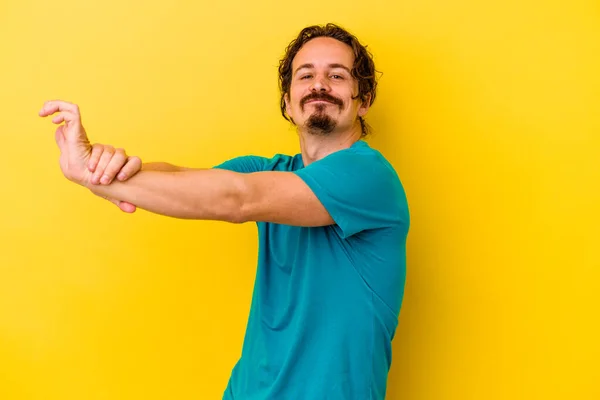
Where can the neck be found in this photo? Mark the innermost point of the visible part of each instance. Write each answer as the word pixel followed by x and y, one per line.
pixel 314 147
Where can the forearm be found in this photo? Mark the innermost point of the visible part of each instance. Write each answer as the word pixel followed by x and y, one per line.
pixel 163 166
pixel 208 194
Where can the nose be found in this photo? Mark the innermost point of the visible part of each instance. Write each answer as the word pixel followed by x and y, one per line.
pixel 319 85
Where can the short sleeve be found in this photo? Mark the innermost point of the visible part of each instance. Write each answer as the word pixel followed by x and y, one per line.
pixel 361 191
pixel 244 164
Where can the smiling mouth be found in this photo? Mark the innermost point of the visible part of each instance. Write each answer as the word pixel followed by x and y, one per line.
pixel 319 101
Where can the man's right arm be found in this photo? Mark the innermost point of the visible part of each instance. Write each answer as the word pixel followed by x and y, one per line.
pixel 163 166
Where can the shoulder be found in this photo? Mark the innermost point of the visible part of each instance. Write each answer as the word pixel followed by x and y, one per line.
pixel 360 164
pixel 359 187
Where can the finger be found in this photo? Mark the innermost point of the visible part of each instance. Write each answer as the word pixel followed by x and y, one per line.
pixel 105 158
pixel 63 116
pixel 53 106
pixel 97 150
pixel 59 118
pixel 69 113
pixel 123 205
pixel 133 166
pixel 127 207
pixel 117 162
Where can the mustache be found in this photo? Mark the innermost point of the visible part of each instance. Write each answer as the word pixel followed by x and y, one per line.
pixel 321 96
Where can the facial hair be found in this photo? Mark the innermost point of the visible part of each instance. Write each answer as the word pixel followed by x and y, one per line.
pixel 320 123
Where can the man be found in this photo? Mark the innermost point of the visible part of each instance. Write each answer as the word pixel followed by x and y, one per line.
pixel 332 223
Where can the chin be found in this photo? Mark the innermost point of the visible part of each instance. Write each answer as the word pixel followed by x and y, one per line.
pixel 320 124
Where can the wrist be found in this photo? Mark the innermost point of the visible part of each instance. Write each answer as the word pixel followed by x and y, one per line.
pixel 84 179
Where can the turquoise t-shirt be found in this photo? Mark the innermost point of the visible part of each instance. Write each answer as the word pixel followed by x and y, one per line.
pixel 326 299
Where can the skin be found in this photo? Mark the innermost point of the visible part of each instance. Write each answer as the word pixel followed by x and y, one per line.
pixel 321 68
pixel 322 53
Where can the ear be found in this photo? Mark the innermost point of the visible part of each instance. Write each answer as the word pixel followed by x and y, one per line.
pixel 288 107
pixel 364 107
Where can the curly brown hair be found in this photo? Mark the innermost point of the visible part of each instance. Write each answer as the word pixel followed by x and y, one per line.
pixel 363 69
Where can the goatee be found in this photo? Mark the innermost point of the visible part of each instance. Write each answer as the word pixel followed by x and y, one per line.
pixel 320 123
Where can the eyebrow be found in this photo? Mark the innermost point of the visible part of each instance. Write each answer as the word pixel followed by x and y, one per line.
pixel 335 65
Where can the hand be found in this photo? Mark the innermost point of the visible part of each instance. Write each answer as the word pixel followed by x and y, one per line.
pixel 72 140
pixel 106 162
pixel 74 145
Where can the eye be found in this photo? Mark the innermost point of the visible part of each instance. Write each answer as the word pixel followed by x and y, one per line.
pixel 306 76
pixel 337 77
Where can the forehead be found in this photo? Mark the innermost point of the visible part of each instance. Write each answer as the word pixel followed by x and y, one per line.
pixel 323 51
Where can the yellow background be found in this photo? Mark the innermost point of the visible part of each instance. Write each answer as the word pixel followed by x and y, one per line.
pixel 488 110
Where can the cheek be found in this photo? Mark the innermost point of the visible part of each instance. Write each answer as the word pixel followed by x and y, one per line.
pixel 296 94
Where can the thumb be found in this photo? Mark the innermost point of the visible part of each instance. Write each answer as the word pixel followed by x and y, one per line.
pixel 59 135
pixel 123 205
pixel 126 207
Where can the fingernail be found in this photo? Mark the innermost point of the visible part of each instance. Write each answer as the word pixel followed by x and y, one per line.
pixel 95 179
pixel 104 180
pixel 121 176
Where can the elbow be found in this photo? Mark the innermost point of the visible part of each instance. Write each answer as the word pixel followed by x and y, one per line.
pixel 237 210
pixel 236 215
